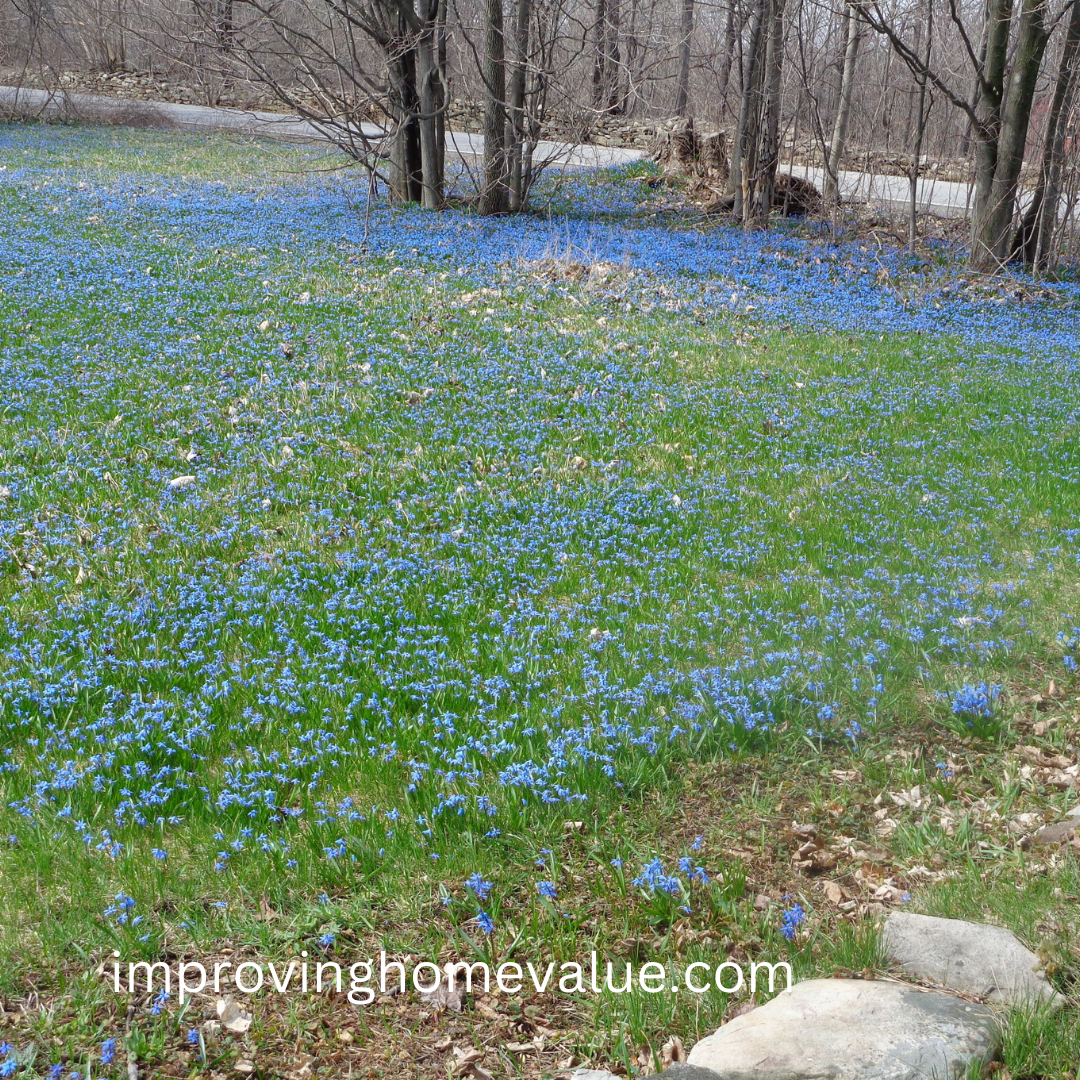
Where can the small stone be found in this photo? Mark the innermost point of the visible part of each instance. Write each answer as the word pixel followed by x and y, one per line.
pixel 181 481
pixel 593 1074
pixel 974 958
pixel 680 1070
pixel 1059 832
pixel 850 1029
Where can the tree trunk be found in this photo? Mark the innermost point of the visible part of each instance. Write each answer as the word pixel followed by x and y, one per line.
pixel 728 57
pixel 614 102
pixel 838 143
pixel 1034 242
pixel 406 167
pixel 991 234
pixel 431 107
pixel 494 194
pixel 686 31
pixel 759 181
pixel 515 124
pixel 599 72
pixel 746 132
pixel 920 132
pixel 991 90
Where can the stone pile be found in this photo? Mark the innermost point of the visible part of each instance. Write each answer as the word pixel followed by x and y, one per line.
pixel 881 1029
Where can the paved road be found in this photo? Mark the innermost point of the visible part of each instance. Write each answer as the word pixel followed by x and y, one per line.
pixel 102 109
pixel 941 197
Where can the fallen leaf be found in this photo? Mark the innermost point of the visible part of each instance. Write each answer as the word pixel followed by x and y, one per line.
pixel 266 912
pixel 833 891
pixel 232 1017
pixel 303 1068
pixel 913 799
pixel 672 1051
pixel 485 1010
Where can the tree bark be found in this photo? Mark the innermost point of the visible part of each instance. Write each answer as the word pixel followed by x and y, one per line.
pixel 600 72
pixel 992 226
pixel 920 132
pixel 495 193
pixel 430 96
pixel 614 102
pixel 686 32
pixel 516 121
pixel 838 142
pixel 1034 242
pixel 406 167
pixel 991 92
pixel 759 176
pixel 746 131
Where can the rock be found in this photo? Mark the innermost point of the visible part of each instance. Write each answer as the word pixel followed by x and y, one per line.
pixel 851 1029
pixel 181 481
pixel 1074 812
pixel 680 1070
pixel 974 958
pixel 1059 832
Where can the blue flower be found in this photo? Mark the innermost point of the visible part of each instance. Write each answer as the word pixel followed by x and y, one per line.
pixel 479 886
pixel 485 922
pixel 546 888
pixel 976 701
pixel 792 918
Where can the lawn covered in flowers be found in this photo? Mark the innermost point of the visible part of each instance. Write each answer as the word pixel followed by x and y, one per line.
pixel 374 575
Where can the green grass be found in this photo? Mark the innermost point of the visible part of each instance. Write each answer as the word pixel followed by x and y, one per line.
pixel 854 478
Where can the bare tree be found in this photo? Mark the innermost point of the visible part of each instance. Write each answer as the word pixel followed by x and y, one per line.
pixel 838 142
pixel 495 191
pixel 920 130
pixel 760 135
pixel 1034 241
pixel 1000 115
pixel 686 32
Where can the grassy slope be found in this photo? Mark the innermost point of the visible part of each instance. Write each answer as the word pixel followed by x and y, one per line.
pixel 475 513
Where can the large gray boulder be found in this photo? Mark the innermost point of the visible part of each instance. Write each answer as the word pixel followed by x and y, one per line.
pixel 851 1029
pixel 973 958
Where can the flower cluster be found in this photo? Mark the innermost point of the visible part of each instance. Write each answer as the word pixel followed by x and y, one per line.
pixel 974 701
pixel 791 920
pixel 463 549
